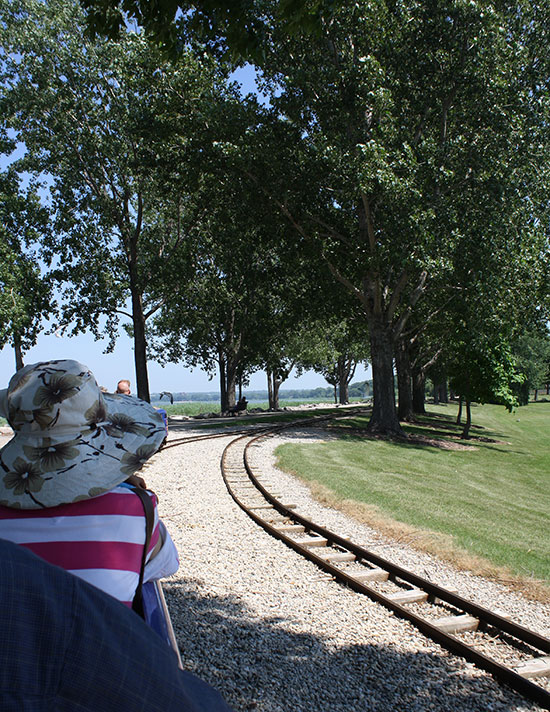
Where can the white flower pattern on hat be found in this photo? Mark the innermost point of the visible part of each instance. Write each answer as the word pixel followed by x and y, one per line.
pixel 52 456
pixel 26 477
pixel 56 389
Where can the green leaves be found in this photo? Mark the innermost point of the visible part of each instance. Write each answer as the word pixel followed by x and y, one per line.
pixel 233 29
pixel 25 297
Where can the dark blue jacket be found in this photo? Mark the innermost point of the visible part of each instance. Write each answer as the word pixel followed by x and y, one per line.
pixel 67 646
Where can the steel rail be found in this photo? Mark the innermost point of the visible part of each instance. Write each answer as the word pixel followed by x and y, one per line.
pixel 447 640
pixel 211 436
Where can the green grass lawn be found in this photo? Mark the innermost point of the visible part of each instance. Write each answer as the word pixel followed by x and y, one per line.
pixel 190 408
pixel 493 500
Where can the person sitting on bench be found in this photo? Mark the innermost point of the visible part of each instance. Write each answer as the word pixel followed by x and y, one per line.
pixel 241 405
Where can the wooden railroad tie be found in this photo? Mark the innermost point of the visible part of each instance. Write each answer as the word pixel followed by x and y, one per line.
pixel 456 624
pixel 291 528
pixel 414 595
pixel 372 575
pixel 536 667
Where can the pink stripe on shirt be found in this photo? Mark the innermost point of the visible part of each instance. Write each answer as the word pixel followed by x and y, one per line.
pixel 115 502
pixel 112 564
pixel 89 554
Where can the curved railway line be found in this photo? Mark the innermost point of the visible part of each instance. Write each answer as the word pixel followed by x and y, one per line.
pixel 513 654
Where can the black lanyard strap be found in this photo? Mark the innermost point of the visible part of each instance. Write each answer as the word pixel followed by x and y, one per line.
pixel 149 508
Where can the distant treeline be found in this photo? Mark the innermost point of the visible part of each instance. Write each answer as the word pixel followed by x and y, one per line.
pixel 361 389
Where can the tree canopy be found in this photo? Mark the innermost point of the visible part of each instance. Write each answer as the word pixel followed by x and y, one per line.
pixel 25 296
pixel 239 28
pixel 414 130
pixel 121 136
pixel 400 163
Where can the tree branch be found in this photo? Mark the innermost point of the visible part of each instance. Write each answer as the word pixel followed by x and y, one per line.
pixel 332 231
pixel 398 289
pixel 370 226
pixel 350 286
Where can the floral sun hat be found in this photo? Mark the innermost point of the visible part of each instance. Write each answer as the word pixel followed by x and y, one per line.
pixel 71 441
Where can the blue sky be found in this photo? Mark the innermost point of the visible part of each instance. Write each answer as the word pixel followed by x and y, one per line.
pixel 109 368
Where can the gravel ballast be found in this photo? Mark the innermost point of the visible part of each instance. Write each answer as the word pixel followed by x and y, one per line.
pixel 274 633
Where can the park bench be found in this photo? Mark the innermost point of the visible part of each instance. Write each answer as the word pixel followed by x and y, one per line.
pixel 239 407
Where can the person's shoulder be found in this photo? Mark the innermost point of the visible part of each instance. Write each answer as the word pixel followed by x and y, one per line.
pixel 121 499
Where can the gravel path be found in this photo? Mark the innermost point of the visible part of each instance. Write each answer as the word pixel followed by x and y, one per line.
pixel 274 634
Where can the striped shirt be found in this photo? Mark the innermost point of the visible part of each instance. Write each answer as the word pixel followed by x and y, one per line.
pixel 99 540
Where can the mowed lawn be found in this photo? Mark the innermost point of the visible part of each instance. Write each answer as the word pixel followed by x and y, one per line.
pixel 492 500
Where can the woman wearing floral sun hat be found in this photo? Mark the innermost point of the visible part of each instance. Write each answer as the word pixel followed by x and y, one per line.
pixel 63 490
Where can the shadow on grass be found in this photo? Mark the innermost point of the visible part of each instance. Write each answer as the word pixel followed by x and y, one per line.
pixel 425 432
pixel 222 423
pixel 227 644
pixel 443 421
pixel 255 418
pixel 451 436
pixel 447 445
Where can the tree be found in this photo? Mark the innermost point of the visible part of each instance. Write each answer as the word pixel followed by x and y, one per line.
pixel 491 307
pixel 230 315
pixel 532 353
pixel 333 348
pixel 121 135
pixel 279 353
pixel 486 373
pixel 25 295
pixel 400 115
pixel 419 347
pixel 237 27
pixel 293 313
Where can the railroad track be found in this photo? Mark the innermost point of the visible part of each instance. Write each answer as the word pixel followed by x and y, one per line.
pixel 512 653
pixel 176 442
pixel 259 429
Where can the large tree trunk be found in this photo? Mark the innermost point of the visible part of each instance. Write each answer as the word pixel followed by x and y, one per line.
pixel 466 431
pixel 18 351
pixel 138 320
pixel 274 382
pixel 419 392
pixel 140 350
pixel 343 392
pixel 441 394
pixel 231 380
pixel 269 388
pixel 276 385
pixel 384 414
pixel 224 407
pixel 404 381
pixel 346 371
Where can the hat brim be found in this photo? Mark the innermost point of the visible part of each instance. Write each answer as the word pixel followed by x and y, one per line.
pixel 38 471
